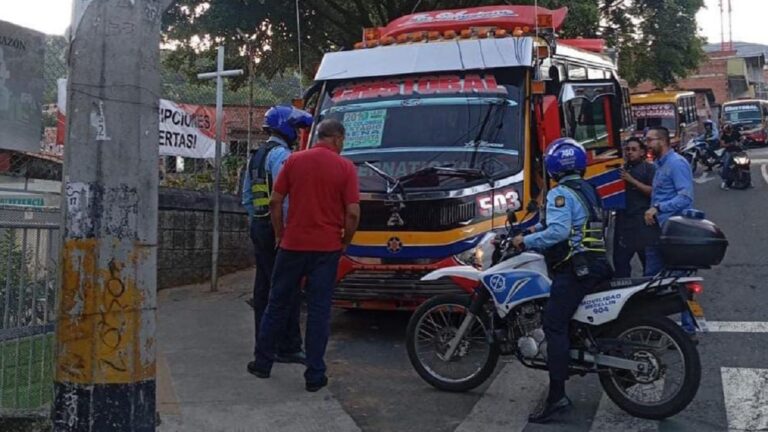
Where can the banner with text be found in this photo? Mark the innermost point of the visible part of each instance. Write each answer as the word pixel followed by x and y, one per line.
pixel 185 130
pixel 188 130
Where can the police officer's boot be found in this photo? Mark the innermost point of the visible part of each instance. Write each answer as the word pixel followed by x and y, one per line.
pixel 555 403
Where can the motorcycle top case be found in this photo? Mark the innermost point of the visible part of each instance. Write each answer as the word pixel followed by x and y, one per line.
pixel 692 243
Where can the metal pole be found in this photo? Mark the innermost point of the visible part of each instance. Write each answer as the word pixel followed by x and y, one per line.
pixel 298 38
pixel 105 320
pixel 250 93
pixel 217 168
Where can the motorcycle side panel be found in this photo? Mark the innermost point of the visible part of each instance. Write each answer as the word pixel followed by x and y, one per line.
pixel 509 289
pixel 603 307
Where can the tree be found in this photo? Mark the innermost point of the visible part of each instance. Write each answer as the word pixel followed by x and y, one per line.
pixel 657 39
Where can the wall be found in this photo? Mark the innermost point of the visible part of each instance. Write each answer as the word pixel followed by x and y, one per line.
pixel 185 225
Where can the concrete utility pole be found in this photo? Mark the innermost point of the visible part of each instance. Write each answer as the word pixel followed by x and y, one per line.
pixel 105 326
pixel 219 75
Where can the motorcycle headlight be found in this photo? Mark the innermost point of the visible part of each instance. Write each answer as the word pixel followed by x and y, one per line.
pixel 741 160
pixel 479 256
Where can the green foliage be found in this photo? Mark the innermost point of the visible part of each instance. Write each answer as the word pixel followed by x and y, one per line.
pixel 54 66
pixel 657 39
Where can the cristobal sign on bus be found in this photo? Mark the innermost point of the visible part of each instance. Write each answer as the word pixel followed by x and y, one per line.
pixel 447 114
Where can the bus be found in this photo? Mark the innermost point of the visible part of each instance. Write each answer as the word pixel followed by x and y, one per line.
pixel 751 115
pixel 447 114
pixel 675 110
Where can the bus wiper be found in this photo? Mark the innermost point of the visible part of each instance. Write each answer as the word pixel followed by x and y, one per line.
pixel 393 183
pixel 447 171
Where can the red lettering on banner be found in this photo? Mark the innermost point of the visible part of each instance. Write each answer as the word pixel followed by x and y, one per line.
pixel 450 84
pixel 474 84
pixel 429 85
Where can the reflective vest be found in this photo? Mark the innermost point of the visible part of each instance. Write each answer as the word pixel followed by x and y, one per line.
pixel 261 180
pixel 591 232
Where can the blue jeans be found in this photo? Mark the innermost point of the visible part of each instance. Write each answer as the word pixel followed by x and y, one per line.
pixel 263 238
pixel 726 172
pixel 653 266
pixel 290 267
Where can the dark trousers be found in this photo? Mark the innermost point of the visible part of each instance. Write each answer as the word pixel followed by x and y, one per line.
pixel 290 267
pixel 726 172
pixel 625 246
pixel 263 238
pixel 566 293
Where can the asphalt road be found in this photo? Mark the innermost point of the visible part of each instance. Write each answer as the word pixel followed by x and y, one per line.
pixel 376 385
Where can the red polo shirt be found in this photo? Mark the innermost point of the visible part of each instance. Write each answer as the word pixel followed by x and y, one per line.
pixel 320 184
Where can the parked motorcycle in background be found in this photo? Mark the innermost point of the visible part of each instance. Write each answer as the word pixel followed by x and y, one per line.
pixel 699 153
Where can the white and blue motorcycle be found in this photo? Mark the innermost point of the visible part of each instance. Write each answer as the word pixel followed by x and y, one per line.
pixel 646 364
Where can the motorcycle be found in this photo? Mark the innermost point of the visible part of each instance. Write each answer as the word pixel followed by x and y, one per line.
pixel 645 362
pixel 697 152
pixel 739 175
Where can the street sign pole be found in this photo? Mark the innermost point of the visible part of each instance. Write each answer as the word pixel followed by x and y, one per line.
pixel 219 75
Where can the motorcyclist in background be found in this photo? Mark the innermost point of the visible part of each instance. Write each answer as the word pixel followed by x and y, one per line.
pixel 731 142
pixel 712 137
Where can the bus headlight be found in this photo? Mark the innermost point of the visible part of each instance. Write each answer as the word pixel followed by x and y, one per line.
pixel 479 256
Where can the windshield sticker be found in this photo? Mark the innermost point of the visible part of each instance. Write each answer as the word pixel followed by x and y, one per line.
pixel 431 85
pixel 364 129
pixel 653 110
pixel 734 108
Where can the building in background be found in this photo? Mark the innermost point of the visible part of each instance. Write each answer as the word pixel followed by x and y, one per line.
pixel 725 76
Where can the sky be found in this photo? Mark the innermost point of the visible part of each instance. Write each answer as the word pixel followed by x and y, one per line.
pixel 749 17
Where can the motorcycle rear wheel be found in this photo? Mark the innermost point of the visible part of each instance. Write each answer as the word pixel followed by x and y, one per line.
pixel 430 328
pixel 662 337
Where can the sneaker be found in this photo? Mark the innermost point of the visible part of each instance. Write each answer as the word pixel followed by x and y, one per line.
pixel 313 387
pixel 548 410
pixel 253 370
pixel 297 357
pixel 724 186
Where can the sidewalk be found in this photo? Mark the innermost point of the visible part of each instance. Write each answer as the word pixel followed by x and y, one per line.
pixel 205 341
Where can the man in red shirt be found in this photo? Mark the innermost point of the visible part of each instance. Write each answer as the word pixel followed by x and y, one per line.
pixel 325 211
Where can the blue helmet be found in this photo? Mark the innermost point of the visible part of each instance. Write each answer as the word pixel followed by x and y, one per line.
pixel 565 155
pixel 285 120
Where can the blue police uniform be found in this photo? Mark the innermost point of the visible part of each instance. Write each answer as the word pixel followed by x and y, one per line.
pixel 570 207
pixel 269 159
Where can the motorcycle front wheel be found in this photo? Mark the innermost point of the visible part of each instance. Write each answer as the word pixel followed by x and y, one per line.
pixel 432 327
pixel 672 375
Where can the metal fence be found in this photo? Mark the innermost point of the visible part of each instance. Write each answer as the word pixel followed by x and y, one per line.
pixel 29 258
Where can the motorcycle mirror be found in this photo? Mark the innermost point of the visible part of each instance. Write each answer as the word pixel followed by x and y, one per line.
pixel 511 217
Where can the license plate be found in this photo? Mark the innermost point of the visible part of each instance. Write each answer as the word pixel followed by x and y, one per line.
pixel 696 308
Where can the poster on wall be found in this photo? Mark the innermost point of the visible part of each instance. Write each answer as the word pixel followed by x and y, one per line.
pixel 21 87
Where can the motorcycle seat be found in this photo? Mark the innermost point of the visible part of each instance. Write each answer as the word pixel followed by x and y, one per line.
pixel 613 284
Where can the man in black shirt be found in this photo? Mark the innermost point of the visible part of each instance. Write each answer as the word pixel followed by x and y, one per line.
pixel 730 140
pixel 632 235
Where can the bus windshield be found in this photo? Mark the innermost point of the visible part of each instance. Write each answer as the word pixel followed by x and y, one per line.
pixel 404 133
pixel 653 115
pixel 744 114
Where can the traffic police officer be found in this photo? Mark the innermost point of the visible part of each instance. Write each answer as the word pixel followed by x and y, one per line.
pixel 572 240
pixel 281 122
